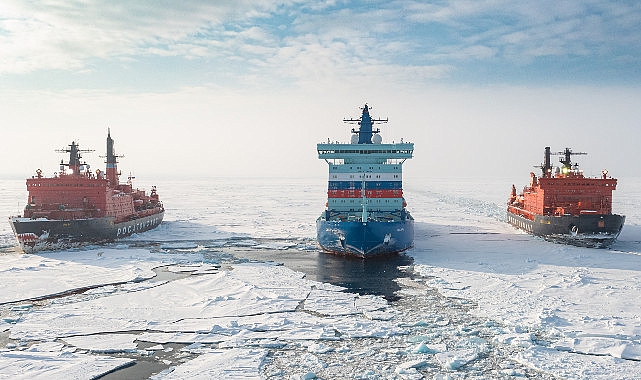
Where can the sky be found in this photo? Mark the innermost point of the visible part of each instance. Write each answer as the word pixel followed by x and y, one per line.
pixel 248 88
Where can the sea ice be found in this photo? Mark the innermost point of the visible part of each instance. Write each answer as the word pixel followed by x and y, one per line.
pixel 104 343
pixel 57 365
pixel 573 299
pixel 546 310
pixel 219 364
pixel 243 311
pixel 453 360
pixel 26 277
pixel 567 365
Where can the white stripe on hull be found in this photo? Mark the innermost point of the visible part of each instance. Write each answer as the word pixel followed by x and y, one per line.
pixel 369 177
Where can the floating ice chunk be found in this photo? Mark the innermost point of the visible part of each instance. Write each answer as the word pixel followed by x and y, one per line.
pixel 183 245
pixel 310 360
pixel 331 303
pixel 566 344
pixel 524 340
pixel 196 348
pixel 41 276
pixel 614 347
pixel 453 360
pixel 512 373
pixel 108 289
pixel 378 315
pixel 442 322
pixel 370 303
pixel 181 338
pixel 22 307
pixel 473 342
pixel 138 286
pixel 243 243
pixel 567 365
pixel 8 321
pixel 280 246
pixel 46 347
pixel 66 320
pixel 181 268
pixel 424 348
pixel 369 374
pixel 57 365
pixel 409 369
pixel 319 348
pixel 363 328
pixel 104 343
pixel 234 363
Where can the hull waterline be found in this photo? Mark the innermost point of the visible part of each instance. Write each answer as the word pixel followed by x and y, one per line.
pixel 592 231
pixel 365 239
pixel 41 234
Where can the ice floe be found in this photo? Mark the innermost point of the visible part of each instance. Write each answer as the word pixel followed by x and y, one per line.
pixel 493 303
pixel 229 318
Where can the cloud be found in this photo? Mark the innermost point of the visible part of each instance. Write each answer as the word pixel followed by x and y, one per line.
pixel 522 31
pixel 63 35
pixel 280 43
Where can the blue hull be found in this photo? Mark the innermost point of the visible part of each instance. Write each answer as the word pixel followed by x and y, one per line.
pixel 365 239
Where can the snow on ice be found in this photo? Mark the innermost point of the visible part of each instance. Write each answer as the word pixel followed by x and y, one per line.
pixel 26 277
pixel 60 364
pixel 490 302
pixel 237 363
pixel 241 311
pixel 572 309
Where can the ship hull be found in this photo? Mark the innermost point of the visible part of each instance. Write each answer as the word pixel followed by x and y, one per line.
pixel 41 234
pixel 588 230
pixel 365 239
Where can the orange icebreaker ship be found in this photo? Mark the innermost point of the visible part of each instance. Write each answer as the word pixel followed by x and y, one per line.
pixel 567 207
pixel 76 205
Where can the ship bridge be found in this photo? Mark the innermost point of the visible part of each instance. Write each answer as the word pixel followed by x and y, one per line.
pixel 337 153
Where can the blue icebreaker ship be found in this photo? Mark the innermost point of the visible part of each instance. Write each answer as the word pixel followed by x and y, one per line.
pixel 365 213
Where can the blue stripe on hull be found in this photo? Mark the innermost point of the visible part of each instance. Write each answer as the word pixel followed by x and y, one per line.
pixel 365 239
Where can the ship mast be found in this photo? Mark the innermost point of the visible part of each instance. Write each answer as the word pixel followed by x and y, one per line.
pixel 112 161
pixel 366 122
pixel 74 158
pixel 363 200
pixel 566 161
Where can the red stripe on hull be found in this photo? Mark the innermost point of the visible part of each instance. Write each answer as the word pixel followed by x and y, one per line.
pixel 398 193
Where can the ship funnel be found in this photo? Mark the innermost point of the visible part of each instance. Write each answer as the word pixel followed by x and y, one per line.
pixel 547 165
pixel 112 162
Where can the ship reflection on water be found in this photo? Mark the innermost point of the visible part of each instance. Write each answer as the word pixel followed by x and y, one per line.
pixel 375 276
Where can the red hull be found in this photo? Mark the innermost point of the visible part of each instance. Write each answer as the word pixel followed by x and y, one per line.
pixel 77 194
pixel 549 201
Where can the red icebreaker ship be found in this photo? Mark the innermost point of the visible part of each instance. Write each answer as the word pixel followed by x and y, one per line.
pixel 565 206
pixel 76 206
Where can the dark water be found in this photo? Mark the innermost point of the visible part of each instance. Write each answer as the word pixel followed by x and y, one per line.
pixel 373 276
